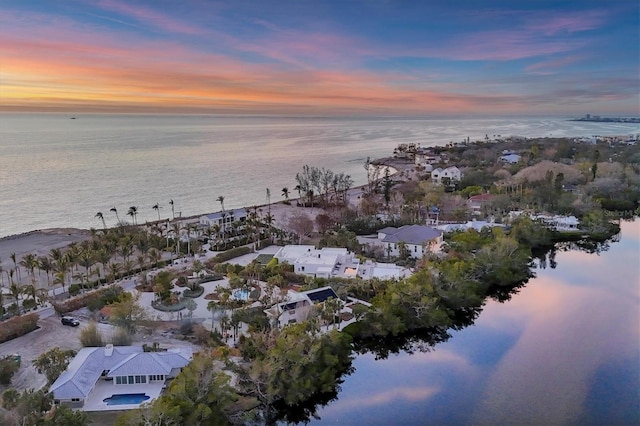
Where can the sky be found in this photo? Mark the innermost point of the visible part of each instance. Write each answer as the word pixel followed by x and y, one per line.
pixel 315 57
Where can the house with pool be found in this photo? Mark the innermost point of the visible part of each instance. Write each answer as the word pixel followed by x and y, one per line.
pixel 117 377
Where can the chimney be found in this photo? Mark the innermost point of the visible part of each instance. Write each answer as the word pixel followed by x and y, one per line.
pixel 108 350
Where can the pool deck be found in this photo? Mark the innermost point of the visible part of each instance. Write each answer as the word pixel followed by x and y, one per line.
pixel 104 389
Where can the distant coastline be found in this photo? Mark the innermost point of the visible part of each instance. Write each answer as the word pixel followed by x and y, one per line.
pixel 599 119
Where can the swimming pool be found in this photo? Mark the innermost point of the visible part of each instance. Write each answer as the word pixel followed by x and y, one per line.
pixel 241 295
pixel 126 398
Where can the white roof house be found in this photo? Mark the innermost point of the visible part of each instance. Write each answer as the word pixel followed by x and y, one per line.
pixel 478 225
pixel 511 158
pixel 558 222
pixel 227 217
pixel 298 305
pixel 383 271
pixel 453 173
pixel 308 260
pixel 128 365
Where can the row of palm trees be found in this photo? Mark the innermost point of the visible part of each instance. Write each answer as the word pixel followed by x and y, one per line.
pixel 133 212
pixel 107 255
pixel 112 252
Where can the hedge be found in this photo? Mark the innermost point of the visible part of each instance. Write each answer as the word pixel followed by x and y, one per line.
pixel 169 308
pixel 209 278
pixel 193 293
pixel 81 301
pixel 18 326
pixel 231 254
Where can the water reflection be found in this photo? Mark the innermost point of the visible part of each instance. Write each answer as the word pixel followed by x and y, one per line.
pixel 564 350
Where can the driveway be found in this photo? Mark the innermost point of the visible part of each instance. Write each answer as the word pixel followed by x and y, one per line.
pixel 30 346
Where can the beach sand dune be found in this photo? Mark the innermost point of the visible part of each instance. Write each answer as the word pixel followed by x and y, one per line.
pixel 38 242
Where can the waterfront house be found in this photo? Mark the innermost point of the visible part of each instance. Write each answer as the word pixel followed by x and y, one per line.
pixel 298 305
pixel 322 263
pixel 559 223
pixel 335 262
pixel 418 240
pixel 478 225
pixel 96 375
pixel 453 174
pixel 224 218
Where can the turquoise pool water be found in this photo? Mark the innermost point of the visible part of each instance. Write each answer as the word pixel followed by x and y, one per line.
pixel 241 295
pixel 127 398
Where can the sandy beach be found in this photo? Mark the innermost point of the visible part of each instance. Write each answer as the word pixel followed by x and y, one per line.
pixel 41 242
pixel 38 242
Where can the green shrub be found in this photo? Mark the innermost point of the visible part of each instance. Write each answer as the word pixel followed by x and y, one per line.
pixel 169 308
pixel 8 366
pixel 209 278
pixel 28 304
pixel 18 326
pixel 193 293
pixel 97 299
pixel 230 254
pixel 74 289
pixel 13 309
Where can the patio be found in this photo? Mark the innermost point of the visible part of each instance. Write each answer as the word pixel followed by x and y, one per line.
pixel 104 389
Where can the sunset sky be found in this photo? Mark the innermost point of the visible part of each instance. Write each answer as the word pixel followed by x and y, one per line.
pixel 347 57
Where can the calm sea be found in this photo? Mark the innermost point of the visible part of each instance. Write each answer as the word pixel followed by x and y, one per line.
pixel 59 172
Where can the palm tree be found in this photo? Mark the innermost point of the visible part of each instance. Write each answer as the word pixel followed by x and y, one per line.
pixel 15 265
pixel 30 262
pixel 86 259
pixel 100 216
pixel 156 207
pixel 81 276
pixel 220 199
pixel 44 263
pixel 173 213
pixel 141 258
pixel 55 254
pixel 126 248
pixel 60 267
pixel 114 268
pixel 113 209
pixel 15 290
pixel 285 194
pixel 215 228
pixel 176 233
pixel 30 290
pixel 133 212
pixel 103 257
pixel 268 202
pixel 154 256
pixel 299 189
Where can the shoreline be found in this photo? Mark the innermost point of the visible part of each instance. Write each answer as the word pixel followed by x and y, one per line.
pixel 354 191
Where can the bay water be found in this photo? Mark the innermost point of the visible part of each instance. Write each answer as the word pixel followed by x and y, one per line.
pixel 565 350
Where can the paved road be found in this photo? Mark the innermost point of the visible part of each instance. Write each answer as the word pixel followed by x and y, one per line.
pixel 50 334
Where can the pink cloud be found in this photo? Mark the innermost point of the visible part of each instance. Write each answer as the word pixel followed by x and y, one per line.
pixel 567 23
pixel 151 17
pixel 546 67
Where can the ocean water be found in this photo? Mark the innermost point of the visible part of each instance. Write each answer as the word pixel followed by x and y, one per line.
pixel 59 172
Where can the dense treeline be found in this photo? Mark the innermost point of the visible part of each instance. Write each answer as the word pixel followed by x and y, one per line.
pixel 448 289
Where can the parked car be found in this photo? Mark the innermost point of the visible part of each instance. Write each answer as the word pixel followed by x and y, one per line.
pixel 73 322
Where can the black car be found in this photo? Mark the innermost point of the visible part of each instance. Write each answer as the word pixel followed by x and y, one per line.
pixel 73 322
